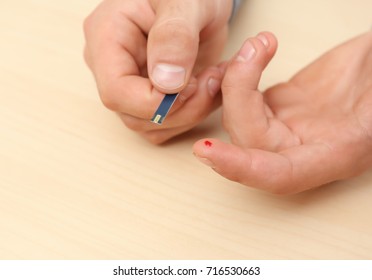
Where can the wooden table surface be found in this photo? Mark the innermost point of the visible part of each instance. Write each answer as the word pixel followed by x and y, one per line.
pixel 76 184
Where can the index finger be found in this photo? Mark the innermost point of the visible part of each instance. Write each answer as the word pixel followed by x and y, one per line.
pixel 244 110
pixel 116 54
pixel 291 171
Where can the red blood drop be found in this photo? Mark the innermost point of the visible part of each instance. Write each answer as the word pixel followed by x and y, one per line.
pixel 208 143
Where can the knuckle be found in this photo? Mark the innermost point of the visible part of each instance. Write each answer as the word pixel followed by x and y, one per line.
pixel 278 88
pixel 108 98
pixel 180 32
pixel 132 123
pixel 87 24
pixel 199 113
pixel 196 116
pixel 228 84
pixel 86 56
pixel 154 138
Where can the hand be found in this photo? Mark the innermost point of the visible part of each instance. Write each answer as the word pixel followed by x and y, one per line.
pixel 314 129
pixel 140 49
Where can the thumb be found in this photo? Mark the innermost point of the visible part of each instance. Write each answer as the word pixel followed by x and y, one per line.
pixel 173 43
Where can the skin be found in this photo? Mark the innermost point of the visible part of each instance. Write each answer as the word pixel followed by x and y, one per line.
pixel 314 129
pixel 127 39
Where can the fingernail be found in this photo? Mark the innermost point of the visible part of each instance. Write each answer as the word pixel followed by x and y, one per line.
pixel 214 86
pixel 169 76
pixel 187 92
pixel 263 39
pixel 205 161
pixel 247 52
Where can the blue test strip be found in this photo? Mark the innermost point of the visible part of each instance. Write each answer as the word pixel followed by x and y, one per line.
pixel 164 107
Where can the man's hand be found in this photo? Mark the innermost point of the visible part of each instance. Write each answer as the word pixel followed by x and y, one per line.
pixel 140 49
pixel 314 129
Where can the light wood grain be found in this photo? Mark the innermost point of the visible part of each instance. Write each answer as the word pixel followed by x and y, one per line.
pixel 76 184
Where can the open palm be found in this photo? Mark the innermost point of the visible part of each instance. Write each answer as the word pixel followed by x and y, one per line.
pixel 313 129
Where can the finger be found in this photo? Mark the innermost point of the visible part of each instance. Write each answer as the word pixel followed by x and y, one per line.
pixel 204 100
pixel 173 42
pixel 294 170
pixel 116 54
pixel 244 111
pixel 160 136
pixel 211 48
